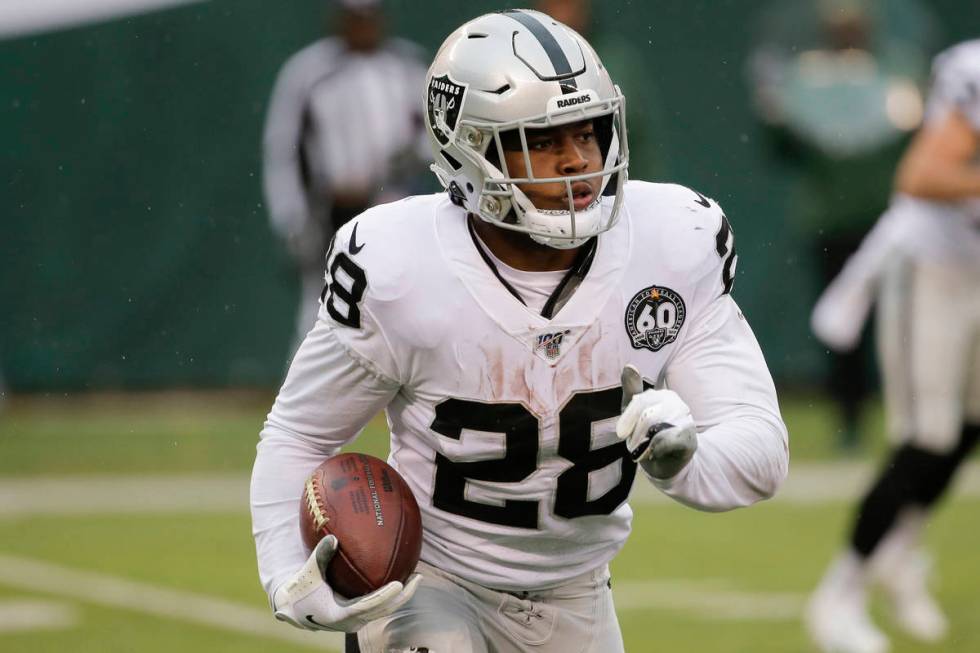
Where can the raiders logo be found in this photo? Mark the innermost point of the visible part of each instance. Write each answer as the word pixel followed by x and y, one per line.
pixel 654 317
pixel 445 99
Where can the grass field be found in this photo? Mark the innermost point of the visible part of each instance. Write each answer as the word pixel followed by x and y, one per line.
pixel 86 565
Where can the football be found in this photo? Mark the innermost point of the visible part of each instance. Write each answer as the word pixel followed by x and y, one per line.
pixel 371 511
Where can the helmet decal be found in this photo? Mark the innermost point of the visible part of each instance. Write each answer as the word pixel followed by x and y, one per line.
pixel 445 99
pixel 563 69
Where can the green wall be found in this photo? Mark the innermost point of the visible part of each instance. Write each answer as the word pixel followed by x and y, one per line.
pixel 134 246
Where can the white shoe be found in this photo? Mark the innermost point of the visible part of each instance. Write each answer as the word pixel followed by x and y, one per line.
pixel 915 610
pixel 836 616
pixel 842 628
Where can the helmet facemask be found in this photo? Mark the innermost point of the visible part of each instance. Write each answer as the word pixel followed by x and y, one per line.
pixel 503 203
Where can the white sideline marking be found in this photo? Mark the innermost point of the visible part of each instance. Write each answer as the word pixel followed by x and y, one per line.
pixel 826 482
pixel 25 614
pixel 808 483
pixel 19 17
pixel 707 599
pixel 111 591
pixel 81 495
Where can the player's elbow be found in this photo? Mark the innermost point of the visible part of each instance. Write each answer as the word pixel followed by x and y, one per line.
pixel 765 474
pixel 777 462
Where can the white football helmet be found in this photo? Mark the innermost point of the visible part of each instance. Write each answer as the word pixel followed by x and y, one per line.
pixel 518 70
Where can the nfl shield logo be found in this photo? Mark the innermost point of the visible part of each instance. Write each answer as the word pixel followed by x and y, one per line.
pixel 445 99
pixel 550 343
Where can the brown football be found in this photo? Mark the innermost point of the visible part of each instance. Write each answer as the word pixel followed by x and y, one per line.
pixel 370 509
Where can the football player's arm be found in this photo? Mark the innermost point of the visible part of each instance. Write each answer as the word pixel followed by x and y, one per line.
pixel 282 178
pixel 327 398
pixel 742 453
pixel 939 163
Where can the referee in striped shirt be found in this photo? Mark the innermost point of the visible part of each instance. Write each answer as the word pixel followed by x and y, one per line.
pixel 344 131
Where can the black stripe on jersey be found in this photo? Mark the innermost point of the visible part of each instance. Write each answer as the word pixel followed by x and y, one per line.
pixel 577 272
pixel 729 256
pixel 573 277
pixel 493 268
pixel 563 70
pixel 351 645
pixel 326 284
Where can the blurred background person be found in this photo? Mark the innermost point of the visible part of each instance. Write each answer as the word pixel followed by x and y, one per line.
pixel 837 85
pixel 343 132
pixel 633 73
pixel 929 351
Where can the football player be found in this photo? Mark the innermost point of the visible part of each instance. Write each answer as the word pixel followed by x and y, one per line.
pixel 922 262
pixel 533 335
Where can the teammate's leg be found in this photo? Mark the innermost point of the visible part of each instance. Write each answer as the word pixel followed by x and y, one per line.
pixel 922 342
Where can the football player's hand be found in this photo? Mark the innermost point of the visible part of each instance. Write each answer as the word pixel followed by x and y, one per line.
pixel 306 601
pixel 657 426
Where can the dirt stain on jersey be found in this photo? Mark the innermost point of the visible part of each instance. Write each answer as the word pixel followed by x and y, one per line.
pixel 492 374
pixel 509 378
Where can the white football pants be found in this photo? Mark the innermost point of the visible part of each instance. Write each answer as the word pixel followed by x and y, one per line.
pixel 451 615
pixel 929 350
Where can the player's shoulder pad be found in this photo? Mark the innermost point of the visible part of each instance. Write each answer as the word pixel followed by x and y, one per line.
pixel 688 229
pixel 385 243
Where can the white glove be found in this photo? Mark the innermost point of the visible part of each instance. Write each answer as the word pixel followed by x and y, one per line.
pixel 306 601
pixel 657 426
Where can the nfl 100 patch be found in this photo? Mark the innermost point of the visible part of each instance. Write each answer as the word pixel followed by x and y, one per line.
pixel 443 105
pixel 550 343
pixel 654 317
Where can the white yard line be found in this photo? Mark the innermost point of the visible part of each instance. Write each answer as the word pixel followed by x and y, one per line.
pixel 712 600
pixel 82 495
pixel 810 483
pixel 19 615
pixel 32 575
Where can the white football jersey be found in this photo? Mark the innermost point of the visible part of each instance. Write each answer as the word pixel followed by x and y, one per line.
pixel 503 421
pixel 931 228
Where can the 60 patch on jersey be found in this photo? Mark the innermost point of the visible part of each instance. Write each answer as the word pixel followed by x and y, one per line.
pixel 654 317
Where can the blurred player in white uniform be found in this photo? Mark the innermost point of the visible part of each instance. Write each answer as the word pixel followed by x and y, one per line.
pixel 513 330
pixel 922 263
pixel 318 172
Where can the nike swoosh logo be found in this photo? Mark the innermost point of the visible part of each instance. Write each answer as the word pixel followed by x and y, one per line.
pixel 316 623
pixel 352 246
pixel 702 200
